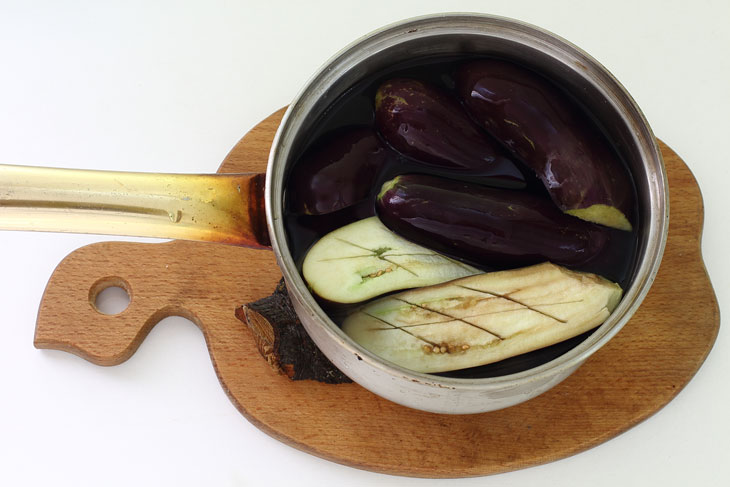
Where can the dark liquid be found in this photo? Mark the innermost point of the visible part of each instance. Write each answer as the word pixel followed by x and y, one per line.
pixel 356 108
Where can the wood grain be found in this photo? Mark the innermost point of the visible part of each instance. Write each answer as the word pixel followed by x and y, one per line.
pixel 633 376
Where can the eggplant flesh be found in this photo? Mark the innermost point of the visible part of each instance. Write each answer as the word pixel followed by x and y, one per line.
pixel 428 126
pixel 364 259
pixel 338 172
pixel 552 135
pixel 485 226
pixel 484 318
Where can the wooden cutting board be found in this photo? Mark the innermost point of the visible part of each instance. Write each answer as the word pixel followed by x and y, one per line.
pixel 632 377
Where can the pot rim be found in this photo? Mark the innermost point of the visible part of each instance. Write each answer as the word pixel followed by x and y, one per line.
pixel 657 227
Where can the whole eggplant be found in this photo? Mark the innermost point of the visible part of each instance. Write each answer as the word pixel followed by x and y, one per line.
pixel 338 172
pixel 429 126
pixel 553 136
pixel 486 226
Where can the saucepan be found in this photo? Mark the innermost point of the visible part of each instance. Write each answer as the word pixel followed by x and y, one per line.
pixel 250 209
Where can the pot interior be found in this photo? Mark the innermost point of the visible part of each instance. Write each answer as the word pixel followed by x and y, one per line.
pixel 405 47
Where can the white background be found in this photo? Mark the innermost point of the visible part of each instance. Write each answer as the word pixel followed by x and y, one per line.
pixel 171 86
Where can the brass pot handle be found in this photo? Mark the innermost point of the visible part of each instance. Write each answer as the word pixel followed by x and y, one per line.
pixel 224 208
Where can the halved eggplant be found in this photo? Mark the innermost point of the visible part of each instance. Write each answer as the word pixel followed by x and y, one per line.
pixel 428 126
pixel 338 172
pixel 486 226
pixel 484 318
pixel 364 259
pixel 552 135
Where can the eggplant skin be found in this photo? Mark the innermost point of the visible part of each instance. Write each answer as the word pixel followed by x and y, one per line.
pixel 486 226
pixel 429 126
pixel 552 135
pixel 338 172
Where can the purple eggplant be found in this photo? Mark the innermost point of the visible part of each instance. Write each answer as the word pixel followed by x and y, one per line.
pixel 339 172
pixel 428 126
pixel 553 136
pixel 486 226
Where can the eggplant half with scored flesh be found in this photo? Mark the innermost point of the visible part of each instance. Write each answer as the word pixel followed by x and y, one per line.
pixel 484 318
pixel 364 259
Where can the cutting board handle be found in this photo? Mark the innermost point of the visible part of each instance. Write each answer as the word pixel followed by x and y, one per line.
pixel 69 320
pixel 177 278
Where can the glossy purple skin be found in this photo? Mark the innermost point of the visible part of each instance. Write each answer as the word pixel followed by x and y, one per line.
pixel 339 172
pixel 486 226
pixel 429 126
pixel 547 131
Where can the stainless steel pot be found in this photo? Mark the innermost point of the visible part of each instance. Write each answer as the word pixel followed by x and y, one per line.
pixel 450 34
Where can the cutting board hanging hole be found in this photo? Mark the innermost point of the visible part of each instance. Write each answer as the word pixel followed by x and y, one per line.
pixel 110 295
